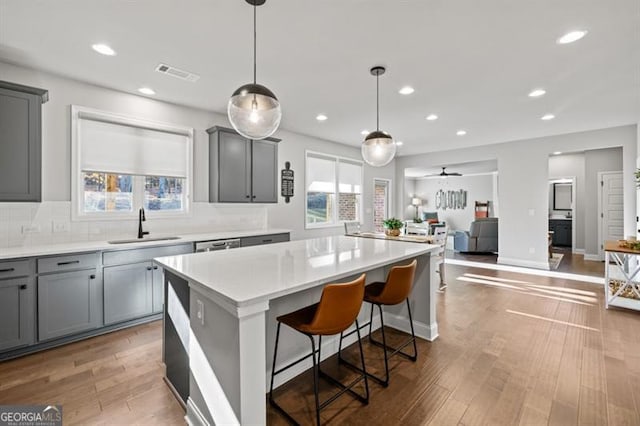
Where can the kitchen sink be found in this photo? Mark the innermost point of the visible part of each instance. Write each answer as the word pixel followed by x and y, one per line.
pixel 142 240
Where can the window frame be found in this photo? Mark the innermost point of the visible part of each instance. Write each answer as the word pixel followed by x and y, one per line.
pixel 78 113
pixel 335 223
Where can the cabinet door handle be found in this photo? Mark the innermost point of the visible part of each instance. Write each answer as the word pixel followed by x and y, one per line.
pixel 8 270
pixel 92 277
pixel 247 196
pixel 70 262
pixel 149 268
pixel 266 241
pixel 253 196
pixel 155 268
pixel 23 287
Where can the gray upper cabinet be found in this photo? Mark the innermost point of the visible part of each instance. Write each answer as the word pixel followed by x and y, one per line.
pixel 242 170
pixel 20 142
pixel 17 304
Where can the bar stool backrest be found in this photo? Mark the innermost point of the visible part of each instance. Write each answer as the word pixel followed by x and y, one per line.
pixel 399 284
pixel 338 308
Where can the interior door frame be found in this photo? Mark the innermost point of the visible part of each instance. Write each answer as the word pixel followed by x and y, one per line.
pixel 389 198
pixel 601 210
pixel 574 203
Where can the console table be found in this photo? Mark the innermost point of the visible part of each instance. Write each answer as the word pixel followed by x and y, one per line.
pixel 622 275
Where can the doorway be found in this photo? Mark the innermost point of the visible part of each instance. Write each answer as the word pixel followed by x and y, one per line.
pixel 381 202
pixel 611 209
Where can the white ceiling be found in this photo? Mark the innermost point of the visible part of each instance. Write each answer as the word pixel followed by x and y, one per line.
pixel 471 62
pixel 466 169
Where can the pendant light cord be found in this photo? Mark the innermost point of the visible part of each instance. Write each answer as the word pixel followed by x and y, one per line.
pixel 254 42
pixel 377 102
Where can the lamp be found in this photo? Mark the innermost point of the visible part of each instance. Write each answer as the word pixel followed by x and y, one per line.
pixel 416 202
pixel 378 148
pixel 253 110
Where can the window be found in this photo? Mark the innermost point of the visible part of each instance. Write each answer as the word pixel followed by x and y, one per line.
pixel 333 190
pixel 122 164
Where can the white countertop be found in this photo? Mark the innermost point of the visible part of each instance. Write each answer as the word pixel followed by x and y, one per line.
pixel 249 275
pixel 85 246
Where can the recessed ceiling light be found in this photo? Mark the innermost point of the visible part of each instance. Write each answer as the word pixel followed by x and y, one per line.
pixel 536 93
pixel 321 117
pixel 461 132
pixel 572 36
pixel 146 91
pixel 399 143
pixel 103 49
pixel 547 117
pixel 364 132
pixel 406 90
pixel 557 153
pixel 432 117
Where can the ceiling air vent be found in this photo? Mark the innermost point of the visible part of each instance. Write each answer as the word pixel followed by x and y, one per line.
pixel 177 73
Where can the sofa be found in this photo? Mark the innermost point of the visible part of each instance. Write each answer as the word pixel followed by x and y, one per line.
pixel 482 237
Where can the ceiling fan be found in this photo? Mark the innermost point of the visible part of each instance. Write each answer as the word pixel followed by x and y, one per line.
pixel 444 173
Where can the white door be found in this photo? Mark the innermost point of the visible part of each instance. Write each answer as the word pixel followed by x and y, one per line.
pixel 611 209
pixel 381 203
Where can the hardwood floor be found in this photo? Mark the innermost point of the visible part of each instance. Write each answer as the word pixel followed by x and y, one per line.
pixel 115 379
pixel 571 262
pixel 514 349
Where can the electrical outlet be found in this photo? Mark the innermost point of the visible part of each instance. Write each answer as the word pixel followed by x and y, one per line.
pixel 59 226
pixel 30 229
pixel 200 311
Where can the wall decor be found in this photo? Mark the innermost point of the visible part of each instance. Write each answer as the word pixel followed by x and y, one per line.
pixel 455 200
pixel 286 182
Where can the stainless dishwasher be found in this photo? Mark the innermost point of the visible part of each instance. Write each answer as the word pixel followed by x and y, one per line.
pixel 217 245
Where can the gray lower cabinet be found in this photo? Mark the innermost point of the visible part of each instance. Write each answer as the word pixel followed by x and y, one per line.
pixel 263 239
pixel 17 312
pixel 242 170
pixel 20 142
pixel 133 284
pixel 128 292
pixel 68 303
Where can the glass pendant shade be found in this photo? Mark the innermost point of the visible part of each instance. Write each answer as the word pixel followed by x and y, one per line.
pixel 378 149
pixel 254 111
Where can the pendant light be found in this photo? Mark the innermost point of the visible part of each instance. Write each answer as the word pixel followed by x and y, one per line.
pixel 378 148
pixel 253 110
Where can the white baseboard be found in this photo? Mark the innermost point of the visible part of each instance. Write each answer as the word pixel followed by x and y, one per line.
pixel 422 330
pixel 523 262
pixel 194 417
pixel 578 251
pixel 595 257
pixel 329 348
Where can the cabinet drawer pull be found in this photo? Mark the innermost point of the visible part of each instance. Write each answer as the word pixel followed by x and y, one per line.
pixel 8 270
pixel 70 262
pixel 92 277
pixel 267 241
pixel 253 196
pixel 155 268
pixel 149 268
pixel 23 287
pixel 247 196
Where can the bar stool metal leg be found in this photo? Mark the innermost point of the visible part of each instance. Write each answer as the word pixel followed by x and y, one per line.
pixel 316 375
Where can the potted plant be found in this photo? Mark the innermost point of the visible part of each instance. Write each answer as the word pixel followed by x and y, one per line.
pixel 392 226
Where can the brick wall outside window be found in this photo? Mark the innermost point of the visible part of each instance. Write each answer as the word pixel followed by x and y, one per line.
pixel 348 206
pixel 379 200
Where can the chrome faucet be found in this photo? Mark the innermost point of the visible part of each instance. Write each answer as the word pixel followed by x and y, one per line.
pixel 141 218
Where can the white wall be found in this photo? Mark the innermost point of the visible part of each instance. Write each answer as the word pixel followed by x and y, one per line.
pixel 523 184
pixel 479 188
pixel 56 169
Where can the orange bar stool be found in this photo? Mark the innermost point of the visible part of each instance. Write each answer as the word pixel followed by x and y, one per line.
pixel 394 291
pixel 338 308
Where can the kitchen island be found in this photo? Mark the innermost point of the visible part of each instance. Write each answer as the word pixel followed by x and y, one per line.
pixel 229 327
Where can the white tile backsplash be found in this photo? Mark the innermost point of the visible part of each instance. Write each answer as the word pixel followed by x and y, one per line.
pixel 205 217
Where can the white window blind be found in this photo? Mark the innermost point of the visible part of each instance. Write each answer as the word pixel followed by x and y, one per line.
pixel 350 177
pixel 321 174
pixel 120 148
